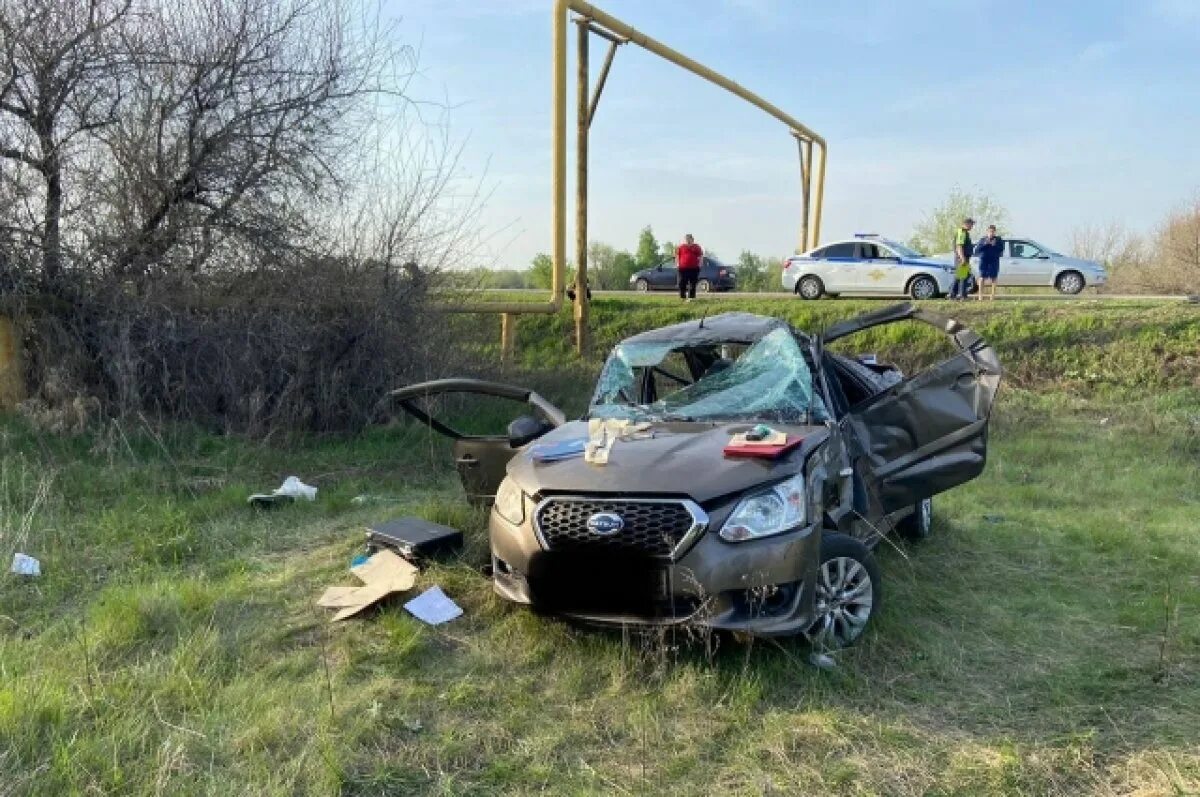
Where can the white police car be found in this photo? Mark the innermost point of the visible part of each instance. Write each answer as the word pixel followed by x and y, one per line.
pixel 866 264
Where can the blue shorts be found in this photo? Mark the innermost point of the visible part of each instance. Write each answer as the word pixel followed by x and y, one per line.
pixel 990 271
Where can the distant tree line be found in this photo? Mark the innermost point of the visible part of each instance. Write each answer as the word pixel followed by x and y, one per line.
pixel 1166 259
pixel 610 268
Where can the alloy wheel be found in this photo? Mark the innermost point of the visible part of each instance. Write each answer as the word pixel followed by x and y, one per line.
pixel 1070 282
pixel 843 606
pixel 810 288
pixel 923 288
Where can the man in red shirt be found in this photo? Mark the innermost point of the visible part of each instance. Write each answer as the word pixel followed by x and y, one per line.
pixel 688 257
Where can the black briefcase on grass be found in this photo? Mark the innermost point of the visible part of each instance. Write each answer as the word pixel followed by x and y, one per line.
pixel 414 538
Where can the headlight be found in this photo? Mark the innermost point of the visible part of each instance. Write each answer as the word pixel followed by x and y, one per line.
pixel 775 511
pixel 510 502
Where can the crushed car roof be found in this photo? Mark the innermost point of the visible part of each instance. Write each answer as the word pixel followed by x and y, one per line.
pixel 724 328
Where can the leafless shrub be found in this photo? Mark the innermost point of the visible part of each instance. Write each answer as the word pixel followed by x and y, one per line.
pixel 224 210
pixel 1123 252
pixel 1178 249
pixel 1166 261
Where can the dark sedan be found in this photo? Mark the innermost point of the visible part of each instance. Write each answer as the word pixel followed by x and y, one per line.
pixel 714 276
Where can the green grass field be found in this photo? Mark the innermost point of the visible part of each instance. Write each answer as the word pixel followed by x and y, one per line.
pixel 1045 640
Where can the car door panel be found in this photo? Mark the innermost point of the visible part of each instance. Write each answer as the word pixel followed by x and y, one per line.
pixel 841 264
pixel 873 271
pixel 927 433
pixel 663 277
pixel 1022 267
pixel 481 460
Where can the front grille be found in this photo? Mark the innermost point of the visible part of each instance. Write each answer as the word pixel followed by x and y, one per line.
pixel 651 527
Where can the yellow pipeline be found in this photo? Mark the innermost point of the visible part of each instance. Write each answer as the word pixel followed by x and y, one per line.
pixel 559 145
pixel 658 48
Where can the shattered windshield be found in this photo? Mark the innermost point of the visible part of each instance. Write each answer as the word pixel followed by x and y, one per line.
pixel 769 381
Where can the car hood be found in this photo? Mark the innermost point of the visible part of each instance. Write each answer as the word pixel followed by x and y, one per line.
pixel 683 459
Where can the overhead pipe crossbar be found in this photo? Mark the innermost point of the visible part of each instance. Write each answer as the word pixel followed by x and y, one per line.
pixel 591 20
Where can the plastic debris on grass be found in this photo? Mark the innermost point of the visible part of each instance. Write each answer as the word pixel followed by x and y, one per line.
pixel 25 565
pixel 291 490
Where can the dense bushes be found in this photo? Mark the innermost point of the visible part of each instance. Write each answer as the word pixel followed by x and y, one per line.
pixel 256 354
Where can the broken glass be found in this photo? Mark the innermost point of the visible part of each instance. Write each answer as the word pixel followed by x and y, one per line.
pixel 770 381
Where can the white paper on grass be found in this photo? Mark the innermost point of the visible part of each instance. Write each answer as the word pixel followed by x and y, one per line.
pixel 434 607
pixel 24 565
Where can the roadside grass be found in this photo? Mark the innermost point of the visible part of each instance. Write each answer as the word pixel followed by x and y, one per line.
pixel 1045 640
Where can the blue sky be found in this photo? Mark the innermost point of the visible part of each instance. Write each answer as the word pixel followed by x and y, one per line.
pixel 1068 113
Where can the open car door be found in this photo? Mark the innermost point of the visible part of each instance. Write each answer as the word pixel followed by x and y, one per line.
pixel 481 459
pixel 927 433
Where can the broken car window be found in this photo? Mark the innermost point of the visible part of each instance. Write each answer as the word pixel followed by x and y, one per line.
pixel 770 381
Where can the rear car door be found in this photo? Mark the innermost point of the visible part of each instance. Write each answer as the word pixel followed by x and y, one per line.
pixel 927 433
pixel 481 459
pixel 1026 264
pixel 663 275
pixel 842 265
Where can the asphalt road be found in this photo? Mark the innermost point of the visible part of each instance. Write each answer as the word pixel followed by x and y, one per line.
pixel 1049 295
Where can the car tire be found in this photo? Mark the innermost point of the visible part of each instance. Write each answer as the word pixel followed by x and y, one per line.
pixel 916 526
pixel 810 287
pixel 1069 282
pixel 923 287
pixel 641 286
pixel 847 592
pixel 703 286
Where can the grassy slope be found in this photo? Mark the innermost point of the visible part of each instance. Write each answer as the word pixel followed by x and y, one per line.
pixel 173 645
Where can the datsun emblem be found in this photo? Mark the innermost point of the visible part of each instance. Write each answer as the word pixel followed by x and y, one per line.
pixel 605 524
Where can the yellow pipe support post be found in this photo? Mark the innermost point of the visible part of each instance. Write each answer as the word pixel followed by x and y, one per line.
pixel 615 31
pixel 600 81
pixel 816 228
pixel 616 26
pixel 582 122
pixel 508 337
pixel 805 148
pixel 12 371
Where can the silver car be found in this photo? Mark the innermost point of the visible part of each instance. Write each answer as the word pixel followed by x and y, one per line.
pixel 1026 262
pixel 866 264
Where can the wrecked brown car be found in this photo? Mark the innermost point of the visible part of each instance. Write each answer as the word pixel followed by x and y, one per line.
pixel 673 528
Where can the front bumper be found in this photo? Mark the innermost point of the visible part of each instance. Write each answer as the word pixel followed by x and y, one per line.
pixel 761 587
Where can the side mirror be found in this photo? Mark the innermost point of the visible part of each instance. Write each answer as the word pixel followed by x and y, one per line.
pixel 526 429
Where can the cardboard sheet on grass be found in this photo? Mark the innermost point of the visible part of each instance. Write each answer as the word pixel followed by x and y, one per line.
pixel 384 574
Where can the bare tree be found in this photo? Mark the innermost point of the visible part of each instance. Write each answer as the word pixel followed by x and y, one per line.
pixel 1121 250
pixel 61 73
pixel 243 119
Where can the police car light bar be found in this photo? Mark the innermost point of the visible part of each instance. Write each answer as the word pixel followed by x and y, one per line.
pixel 866 235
